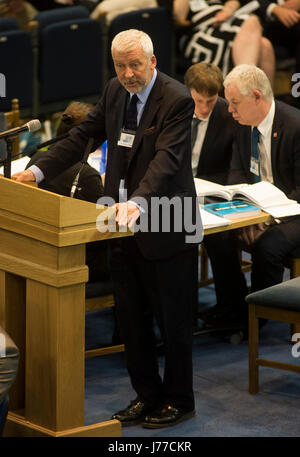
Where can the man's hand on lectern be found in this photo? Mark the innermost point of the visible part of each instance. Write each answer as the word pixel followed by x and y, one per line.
pixel 23 176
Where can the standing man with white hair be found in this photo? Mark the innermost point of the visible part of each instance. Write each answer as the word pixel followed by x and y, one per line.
pixel 146 118
pixel 272 127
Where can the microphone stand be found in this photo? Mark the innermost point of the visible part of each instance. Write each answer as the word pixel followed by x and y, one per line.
pixel 87 151
pixel 7 162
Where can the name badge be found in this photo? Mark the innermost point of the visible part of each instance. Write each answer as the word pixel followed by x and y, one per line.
pixel 254 166
pixel 126 139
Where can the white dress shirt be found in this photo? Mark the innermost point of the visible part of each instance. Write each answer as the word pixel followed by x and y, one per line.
pixel 202 128
pixel 264 145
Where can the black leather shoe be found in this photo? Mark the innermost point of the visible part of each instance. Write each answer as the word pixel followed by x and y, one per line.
pixel 134 413
pixel 166 416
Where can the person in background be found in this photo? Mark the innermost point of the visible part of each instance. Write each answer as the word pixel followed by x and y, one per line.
pixel 22 11
pixel 112 8
pixel 212 128
pixel 271 129
pixel 215 32
pixel 212 124
pixel 281 25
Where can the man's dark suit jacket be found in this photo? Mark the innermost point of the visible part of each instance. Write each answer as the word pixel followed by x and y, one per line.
pixel 216 152
pixel 160 159
pixel 89 188
pixel 285 152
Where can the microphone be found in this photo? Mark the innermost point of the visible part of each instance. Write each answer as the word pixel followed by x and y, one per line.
pixel 30 126
pixel 87 151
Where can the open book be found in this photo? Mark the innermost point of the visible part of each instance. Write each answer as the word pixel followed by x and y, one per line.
pixel 232 210
pixel 262 194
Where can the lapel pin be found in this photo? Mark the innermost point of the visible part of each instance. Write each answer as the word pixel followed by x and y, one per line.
pixel 275 135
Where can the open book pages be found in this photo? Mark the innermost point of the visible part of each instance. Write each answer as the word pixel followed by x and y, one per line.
pixel 211 220
pixel 262 194
pixel 208 188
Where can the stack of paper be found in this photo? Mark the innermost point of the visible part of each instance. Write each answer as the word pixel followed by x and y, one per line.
pixel 17 165
pixel 210 220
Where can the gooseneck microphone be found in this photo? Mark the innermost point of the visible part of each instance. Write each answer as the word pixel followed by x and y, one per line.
pixel 8 136
pixel 87 151
pixel 31 126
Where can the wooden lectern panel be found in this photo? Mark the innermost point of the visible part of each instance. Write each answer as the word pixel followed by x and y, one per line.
pixel 42 307
pixel 55 355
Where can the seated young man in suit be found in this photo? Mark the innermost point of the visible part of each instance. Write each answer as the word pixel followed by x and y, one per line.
pixel 212 124
pixel 252 105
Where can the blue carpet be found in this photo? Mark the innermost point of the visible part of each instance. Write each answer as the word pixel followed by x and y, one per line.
pixel 224 406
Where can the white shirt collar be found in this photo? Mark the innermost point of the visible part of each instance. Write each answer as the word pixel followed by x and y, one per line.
pixel 266 125
pixel 144 94
pixel 203 120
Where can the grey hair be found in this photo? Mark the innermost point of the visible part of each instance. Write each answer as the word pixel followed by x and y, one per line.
pixel 247 78
pixel 131 39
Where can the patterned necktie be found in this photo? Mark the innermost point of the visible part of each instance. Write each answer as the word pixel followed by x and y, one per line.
pixel 131 114
pixel 255 153
pixel 195 124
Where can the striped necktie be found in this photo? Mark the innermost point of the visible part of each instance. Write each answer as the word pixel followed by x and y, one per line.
pixel 195 124
pixel 131 114
pixel 255 152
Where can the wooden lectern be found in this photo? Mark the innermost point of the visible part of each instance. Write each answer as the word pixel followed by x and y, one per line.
pixel 42 307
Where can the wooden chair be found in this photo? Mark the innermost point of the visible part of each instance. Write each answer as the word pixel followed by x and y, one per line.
pixel 101 302
pixel 295 273
pixel 281 303
pixel 205 279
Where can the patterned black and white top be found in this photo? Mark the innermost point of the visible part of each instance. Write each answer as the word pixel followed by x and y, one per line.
pixel 205 43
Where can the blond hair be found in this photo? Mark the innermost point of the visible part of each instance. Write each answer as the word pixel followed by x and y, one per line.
pixel 204 78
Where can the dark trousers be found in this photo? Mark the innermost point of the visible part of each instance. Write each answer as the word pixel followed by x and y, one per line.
pixel 271 251
pixel 165 289
pixel 269 255
pixel 224 254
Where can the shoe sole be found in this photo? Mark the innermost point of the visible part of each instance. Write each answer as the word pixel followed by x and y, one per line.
pixel 129 423
pixel 162 425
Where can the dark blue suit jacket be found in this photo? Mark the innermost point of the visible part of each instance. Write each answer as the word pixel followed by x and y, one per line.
pixel 285 152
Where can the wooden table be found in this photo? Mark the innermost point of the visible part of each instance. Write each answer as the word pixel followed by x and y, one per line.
pixel 240 222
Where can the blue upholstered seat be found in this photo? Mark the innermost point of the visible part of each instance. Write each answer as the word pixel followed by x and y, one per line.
pixel 45 18
pixel 285 295
pixel 8 23
pixel 16 59
pixel 70 58
pixel 157 23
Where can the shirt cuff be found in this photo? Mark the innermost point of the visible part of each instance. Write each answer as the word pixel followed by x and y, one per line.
pixel 272 6
pixel 39 175
pixel 142 210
